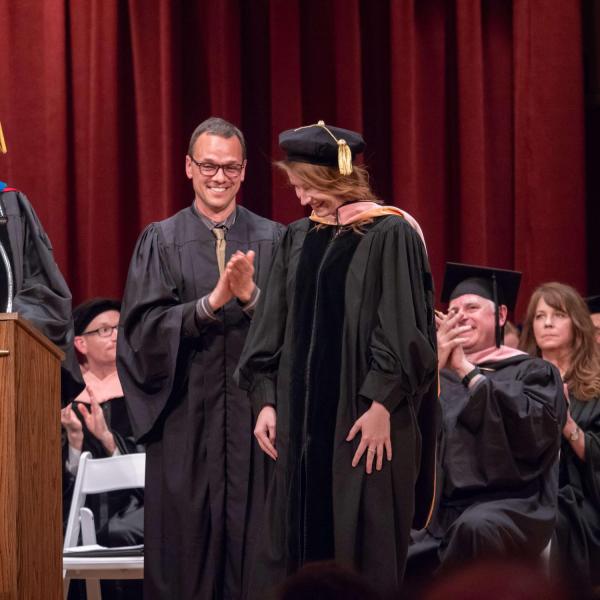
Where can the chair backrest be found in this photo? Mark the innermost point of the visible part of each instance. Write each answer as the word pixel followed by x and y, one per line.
pixel 97 475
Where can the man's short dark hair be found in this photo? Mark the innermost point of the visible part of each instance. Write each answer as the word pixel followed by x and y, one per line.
pixel 220 127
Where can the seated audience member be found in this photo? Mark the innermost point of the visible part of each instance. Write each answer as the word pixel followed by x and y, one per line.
pixel 502 414
pixel 511 335
pixel 593 304
pixel 559 329
pixel 97 421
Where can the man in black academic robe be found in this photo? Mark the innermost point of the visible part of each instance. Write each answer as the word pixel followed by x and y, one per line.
pixel 503 413
pixel 185 314
pixel 31 283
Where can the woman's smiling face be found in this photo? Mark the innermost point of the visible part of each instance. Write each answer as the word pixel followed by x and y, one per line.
pixel 322 203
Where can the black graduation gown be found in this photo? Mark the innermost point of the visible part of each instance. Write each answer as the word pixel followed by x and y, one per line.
pixel 499 465
pixel 118 516
pixel 41 294
pixel 205 474
pixel 344 320
pixel 576 545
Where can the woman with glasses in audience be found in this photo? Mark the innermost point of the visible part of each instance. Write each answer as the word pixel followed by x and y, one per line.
pixel 97 422
pixel 558 327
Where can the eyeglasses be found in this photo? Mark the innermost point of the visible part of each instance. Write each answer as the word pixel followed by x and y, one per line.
pixel 102 331
pixel 208 169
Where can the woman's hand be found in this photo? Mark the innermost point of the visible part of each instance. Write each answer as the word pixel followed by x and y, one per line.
pixel 96 423
pixel 72 426
pixel 374 427
pixel 265 429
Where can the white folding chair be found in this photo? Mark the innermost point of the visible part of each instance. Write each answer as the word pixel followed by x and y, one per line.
pixel 93 562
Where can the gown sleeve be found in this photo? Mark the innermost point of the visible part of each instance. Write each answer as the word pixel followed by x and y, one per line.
pixel 259 362
pixel 43 297
pixel 154 323
pixel 591 467
pixel 402 348
pixel 519 416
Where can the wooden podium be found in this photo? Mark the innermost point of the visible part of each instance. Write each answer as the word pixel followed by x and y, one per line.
pixel 30 457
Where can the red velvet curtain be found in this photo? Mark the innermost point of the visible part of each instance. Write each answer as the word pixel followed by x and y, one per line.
pixel 472 111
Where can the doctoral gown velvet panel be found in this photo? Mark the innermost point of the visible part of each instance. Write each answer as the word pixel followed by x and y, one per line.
pixel 577 542
pixel 205 476
pixel 386 352
pixel 41 294
pixel 499 468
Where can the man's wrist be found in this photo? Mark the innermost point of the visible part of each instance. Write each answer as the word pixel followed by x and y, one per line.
pixel 108 441
pixel 75 440
pixel 204 310
pixel 213 302
pixel 250 300
pixel 464 369
pixel 474 372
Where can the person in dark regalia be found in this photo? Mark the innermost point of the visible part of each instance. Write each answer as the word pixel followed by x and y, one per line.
pixel 503 412
pixel 31 283
pixel 593 304
pixel 341 363
pixel 97 422
pixel 188 303
pixel 558 328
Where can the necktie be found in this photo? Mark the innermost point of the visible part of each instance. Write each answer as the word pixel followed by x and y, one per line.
pixel 219 233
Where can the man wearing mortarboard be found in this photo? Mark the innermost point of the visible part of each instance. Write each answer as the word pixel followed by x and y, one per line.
pixel 31 283
pixel 502 414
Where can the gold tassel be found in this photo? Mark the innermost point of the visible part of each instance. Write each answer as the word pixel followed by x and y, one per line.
pixel 344 157
pixel 3 147
pixel 344 152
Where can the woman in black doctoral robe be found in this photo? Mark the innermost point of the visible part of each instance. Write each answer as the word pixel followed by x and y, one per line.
pixel 558 327
pixel 340 361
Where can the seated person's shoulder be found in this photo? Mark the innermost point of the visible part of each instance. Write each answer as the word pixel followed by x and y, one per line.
pixel 539 365
pixel 534 370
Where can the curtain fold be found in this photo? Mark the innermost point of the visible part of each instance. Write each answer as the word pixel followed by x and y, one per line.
pixel 549 219
pixel 472 111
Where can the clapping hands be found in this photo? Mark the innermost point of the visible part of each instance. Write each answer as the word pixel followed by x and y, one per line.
pixel 450 340
pixel 94 421
pixel 236 281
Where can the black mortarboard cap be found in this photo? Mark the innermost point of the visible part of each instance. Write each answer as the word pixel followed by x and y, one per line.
pixel 90 309
pixel 593 303
pixel 501 286
pixel 321 144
